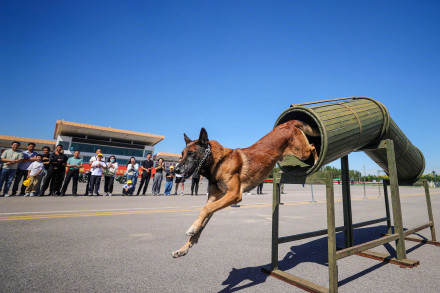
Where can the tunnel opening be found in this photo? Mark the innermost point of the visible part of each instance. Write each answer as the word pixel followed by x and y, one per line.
pixel 291 164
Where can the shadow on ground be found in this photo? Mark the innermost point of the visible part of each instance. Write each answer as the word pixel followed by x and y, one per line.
pixel 314 251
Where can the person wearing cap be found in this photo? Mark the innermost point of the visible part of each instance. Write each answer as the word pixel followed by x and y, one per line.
pixel 55 174
pixel 29 156
pixel 169 176
pixel 89 174
pixel 10 159
pixel 97 168
pixel 127 189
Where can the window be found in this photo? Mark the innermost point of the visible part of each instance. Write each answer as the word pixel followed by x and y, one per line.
pixel 65 144
pixel 108 150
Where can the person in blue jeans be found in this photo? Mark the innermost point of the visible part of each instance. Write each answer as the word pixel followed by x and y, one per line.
pixel 10 159
pixel 133 171
pixel 169 180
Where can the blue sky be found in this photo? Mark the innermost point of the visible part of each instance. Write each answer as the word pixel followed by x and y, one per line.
pixel 169 67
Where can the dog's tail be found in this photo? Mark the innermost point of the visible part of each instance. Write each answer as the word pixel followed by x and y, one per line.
pixel 306 128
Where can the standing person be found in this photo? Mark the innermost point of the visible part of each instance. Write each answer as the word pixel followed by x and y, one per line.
pixel 45 160
pixel 127 189
pixel 146 167
pixel 133 172
pixel 158 177
pixel 97 167
pixel 22 169
pixel 73 165
pixel 89 174
pixel 109 175
pixel 195 180
pixel 169 176
pixel 260 188
pixel 57 168
pixel 10 159
pixel 179 180
pixel 35 171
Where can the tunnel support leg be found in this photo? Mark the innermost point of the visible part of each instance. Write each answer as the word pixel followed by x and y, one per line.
pixel 429 206
pixel 395 198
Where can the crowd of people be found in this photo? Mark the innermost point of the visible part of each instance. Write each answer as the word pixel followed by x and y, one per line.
pixel 54 171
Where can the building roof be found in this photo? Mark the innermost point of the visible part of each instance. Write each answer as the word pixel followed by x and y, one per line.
pixel 5 141
pixel 167 157
pixel 78 129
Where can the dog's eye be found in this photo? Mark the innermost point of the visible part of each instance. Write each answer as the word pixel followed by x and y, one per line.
pixel 190 153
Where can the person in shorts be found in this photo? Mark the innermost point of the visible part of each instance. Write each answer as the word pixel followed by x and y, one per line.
pixel 179 180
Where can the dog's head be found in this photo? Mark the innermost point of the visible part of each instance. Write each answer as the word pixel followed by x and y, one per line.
pixel 194 154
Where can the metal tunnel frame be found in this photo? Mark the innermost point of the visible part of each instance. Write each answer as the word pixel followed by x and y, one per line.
pixel 397 234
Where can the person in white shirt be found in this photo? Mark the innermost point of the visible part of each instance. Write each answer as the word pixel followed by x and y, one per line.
pixel 89 174
pixel 96 175
pixel 133 172
pixel 109 175
pixel 35 173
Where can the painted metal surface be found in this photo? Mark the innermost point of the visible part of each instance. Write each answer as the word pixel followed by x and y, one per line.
pixel 347 125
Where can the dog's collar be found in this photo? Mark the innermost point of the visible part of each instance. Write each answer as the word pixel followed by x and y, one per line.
pixel 207 152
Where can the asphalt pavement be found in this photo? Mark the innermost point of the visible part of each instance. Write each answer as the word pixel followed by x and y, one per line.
pixel 124 244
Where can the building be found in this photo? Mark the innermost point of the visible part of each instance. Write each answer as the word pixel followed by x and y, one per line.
pixel 169 159
pixel 123 144
pixel 5 142
pixel 86 138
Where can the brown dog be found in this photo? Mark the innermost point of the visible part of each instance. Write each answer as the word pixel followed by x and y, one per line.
pixel 232 172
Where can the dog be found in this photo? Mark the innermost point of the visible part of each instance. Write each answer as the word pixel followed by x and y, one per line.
pixel 232 172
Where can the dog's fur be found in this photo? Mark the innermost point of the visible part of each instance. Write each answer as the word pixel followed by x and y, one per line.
pixel 232 172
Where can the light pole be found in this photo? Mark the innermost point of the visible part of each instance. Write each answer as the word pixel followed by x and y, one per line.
pixel 365 193
pixel 378 174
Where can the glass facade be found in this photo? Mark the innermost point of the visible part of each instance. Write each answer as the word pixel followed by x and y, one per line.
pixel 65 144
pixel 121 162
pixel 91 148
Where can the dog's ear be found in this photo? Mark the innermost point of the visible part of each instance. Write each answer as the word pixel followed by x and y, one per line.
pixel 203 137
pixel 186 138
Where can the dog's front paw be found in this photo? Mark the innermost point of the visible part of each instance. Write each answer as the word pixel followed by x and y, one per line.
pixel 178 253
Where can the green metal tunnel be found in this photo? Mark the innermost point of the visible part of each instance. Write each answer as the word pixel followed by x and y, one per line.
pixel 352 124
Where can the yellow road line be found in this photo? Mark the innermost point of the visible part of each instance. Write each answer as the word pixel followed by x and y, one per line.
pixel 74 215
pixel 158 211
